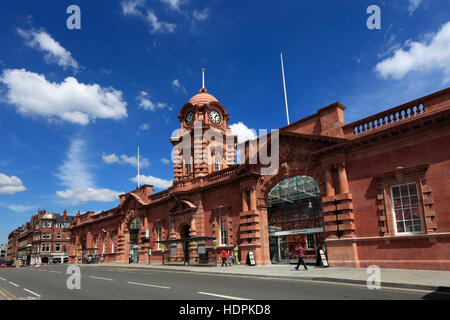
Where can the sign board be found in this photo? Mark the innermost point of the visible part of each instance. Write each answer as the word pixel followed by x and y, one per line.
pixel 298 231
pixel 173 251
pixel 163 247
pixel 215 244
pixel 251 258
pixel 147 233
pixel 201 249
pixel 149 251
pixel 323 258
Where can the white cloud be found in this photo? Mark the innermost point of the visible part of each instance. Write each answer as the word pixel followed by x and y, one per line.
pixel 69 100
pixel 10 185
pixel 177 85
pixel 420 57
pixel 55 53
pixel 74 172
pixel 146 104
pixel 243 132
pixel 144 127
pixel 136 7
pixel 157 25
pixel 165 160
pixel 130 8
pixel 413 5
pixel 76 176
pixel 20 207
pixel 174 4
pixel 156 182
pixel 124 159
pixel 201 15
pixel 90 194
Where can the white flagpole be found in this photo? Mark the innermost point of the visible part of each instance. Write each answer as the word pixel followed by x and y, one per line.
pixel 138 170
pixel 203 78
pixel 284 85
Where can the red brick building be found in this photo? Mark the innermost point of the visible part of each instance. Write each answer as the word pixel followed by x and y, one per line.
pixel 48 238
pixel 372 192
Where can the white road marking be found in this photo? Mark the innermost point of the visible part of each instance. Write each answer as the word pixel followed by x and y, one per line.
pixel 2 279
pixel 29 291
pixel 101 278
pixel 148 285
pixel 56 271
pixel 13 283
pixel 222 296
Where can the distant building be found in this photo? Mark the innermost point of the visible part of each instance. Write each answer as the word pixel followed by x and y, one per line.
pixel 23 256
pixel 11 253
pixel 3 251
pixel 48 237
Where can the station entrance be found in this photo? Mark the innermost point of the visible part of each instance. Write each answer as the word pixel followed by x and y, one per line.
pixel 135 228
pixel 295 216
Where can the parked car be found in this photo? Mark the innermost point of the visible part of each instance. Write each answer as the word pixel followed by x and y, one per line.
pixel 5 265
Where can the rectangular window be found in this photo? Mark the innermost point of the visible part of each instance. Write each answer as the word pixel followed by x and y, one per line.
pixel 188 169
pixel 112 243
pixel 58 247
pixel 58 235
pixel 45 247
pixel 405 206
pixel 217 165
pixel 223 230
pixel 159 237
pixel 310 244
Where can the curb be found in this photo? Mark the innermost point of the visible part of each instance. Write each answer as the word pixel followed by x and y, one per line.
pixel 436 289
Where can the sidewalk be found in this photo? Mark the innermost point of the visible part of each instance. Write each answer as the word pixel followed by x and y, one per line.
pixel 415 279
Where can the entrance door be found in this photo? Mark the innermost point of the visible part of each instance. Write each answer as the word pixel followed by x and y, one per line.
pixel 279 249
pixel 135 254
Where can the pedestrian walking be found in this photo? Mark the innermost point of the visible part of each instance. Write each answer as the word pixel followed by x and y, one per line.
pixel 236 254
pixel 301 256
pixel 224 258
pixel 230 258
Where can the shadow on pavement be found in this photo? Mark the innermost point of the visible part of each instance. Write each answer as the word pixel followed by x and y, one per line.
pixel 441 293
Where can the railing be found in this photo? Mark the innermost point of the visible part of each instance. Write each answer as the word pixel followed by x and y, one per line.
pixel 385 118
pixel 223 173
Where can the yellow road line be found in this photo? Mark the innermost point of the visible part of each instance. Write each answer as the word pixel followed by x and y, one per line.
pixel 7 295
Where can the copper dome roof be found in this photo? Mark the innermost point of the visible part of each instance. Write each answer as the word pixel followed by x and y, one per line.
pixel 203 97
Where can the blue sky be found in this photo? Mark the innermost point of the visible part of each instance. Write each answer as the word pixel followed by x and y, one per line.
pixel 75 104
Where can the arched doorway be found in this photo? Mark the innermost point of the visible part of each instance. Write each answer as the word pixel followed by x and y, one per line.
pixel 294 210
pixel 135 228
pixel 184 234
pixel 184 231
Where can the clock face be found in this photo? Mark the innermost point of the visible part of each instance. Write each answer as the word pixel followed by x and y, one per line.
pixel 189 118
pixel 215 117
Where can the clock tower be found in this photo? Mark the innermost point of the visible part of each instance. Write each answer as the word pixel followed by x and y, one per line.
pixel 204 143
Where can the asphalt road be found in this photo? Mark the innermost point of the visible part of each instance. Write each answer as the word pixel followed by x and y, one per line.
pixel 114 283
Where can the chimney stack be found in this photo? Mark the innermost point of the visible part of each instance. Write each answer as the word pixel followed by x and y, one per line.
pixel 65 215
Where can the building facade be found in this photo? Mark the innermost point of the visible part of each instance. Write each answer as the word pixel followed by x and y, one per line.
pixel 372 192
pixel 11 253
pixel 3 252
pixel 23 247
pixel 49 238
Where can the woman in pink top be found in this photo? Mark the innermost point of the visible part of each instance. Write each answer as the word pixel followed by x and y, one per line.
pixel 301 255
